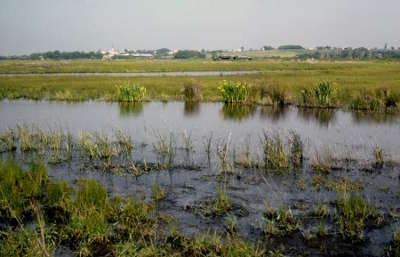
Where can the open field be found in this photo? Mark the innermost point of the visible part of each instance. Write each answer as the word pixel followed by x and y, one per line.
pixel 350 79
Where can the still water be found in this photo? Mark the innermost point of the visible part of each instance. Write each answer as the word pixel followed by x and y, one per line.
pixel 343 132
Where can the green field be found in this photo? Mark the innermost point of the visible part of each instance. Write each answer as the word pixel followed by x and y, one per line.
pixel 349 78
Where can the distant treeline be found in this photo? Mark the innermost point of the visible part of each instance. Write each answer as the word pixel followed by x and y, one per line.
pixel 189 54
pixel 360 53
pixel 56 55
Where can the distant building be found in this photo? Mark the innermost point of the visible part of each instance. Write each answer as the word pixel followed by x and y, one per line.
pixel 115 53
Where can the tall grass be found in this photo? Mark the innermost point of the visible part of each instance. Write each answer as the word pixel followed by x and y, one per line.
pixel 321 95
pixel 131 93
pixel 233 92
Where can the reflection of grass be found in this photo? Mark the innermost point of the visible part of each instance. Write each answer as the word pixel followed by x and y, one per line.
pixel 322 116
pixel 237 112
pixel 128 109
pixel 191 108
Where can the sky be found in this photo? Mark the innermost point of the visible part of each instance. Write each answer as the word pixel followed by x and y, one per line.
pixel 28 26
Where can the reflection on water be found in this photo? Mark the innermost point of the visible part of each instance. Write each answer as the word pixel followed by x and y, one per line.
pixel 130 109
pixel 323 116
pixel 237 112
pixel 274 113
pixel 191 108
pixel 333 128
pixel 370 117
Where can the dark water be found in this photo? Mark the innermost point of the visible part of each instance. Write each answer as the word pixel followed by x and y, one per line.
pixel 344 133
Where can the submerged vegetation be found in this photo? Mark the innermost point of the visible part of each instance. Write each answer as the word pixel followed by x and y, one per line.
pixel 92 223
pixel 40 214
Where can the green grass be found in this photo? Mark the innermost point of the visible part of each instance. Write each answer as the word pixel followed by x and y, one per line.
pixel 91 223
pixel 350 79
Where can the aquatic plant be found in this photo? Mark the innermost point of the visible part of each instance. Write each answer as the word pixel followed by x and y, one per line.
pixel 233 92
pixel 26 137
pixel 165 148
pixel 208 145
pixel 322 229
pixel 322 162
pixel 124 141
pixel 17 186
pixel 8 141
pixel 231 224
pixel 225 164
pixel 222 203
pixel 275 158
pixel 130 93
pixel 353 214
pixel 280 223
pixel 393 250
pixel 296 150
pixel 158 193
pixel 378 154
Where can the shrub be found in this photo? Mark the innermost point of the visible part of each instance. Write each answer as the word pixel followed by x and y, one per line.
pixel 234 92
pixel 191 91
pixel 131 93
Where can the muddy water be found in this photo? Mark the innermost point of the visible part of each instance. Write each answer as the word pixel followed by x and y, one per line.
pixel 345 134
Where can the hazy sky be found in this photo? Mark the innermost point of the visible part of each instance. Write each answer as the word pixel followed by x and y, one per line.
pixel 40 25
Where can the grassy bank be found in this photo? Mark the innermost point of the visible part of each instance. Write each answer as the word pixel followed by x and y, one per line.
pixel 363 80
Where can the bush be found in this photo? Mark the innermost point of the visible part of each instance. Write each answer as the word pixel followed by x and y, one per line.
pixel 234 92
pixel 131 93
pixel 191 91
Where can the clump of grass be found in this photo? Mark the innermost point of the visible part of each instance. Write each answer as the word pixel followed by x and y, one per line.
pixel 17 186
pixel 165 148
pixel 393 249
pixel 296 150
pixel 322 162
pixel 192 91
pixel 231 224
pixel 131 93
pixel 322 95
pixel 378 154
pixel 26 138
pixel 380 100
pixel 322 229
pixel 158 193
pixel 135 220
pixel 275 158
pixel 124 141
pixel 208 145
pixel 321 211
pixel 280 223
pixel 234 92
pixel 8 141
pixel 276 93
pixel 39 241
pixel 224 162
pixel 222 203
pixel 353 214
